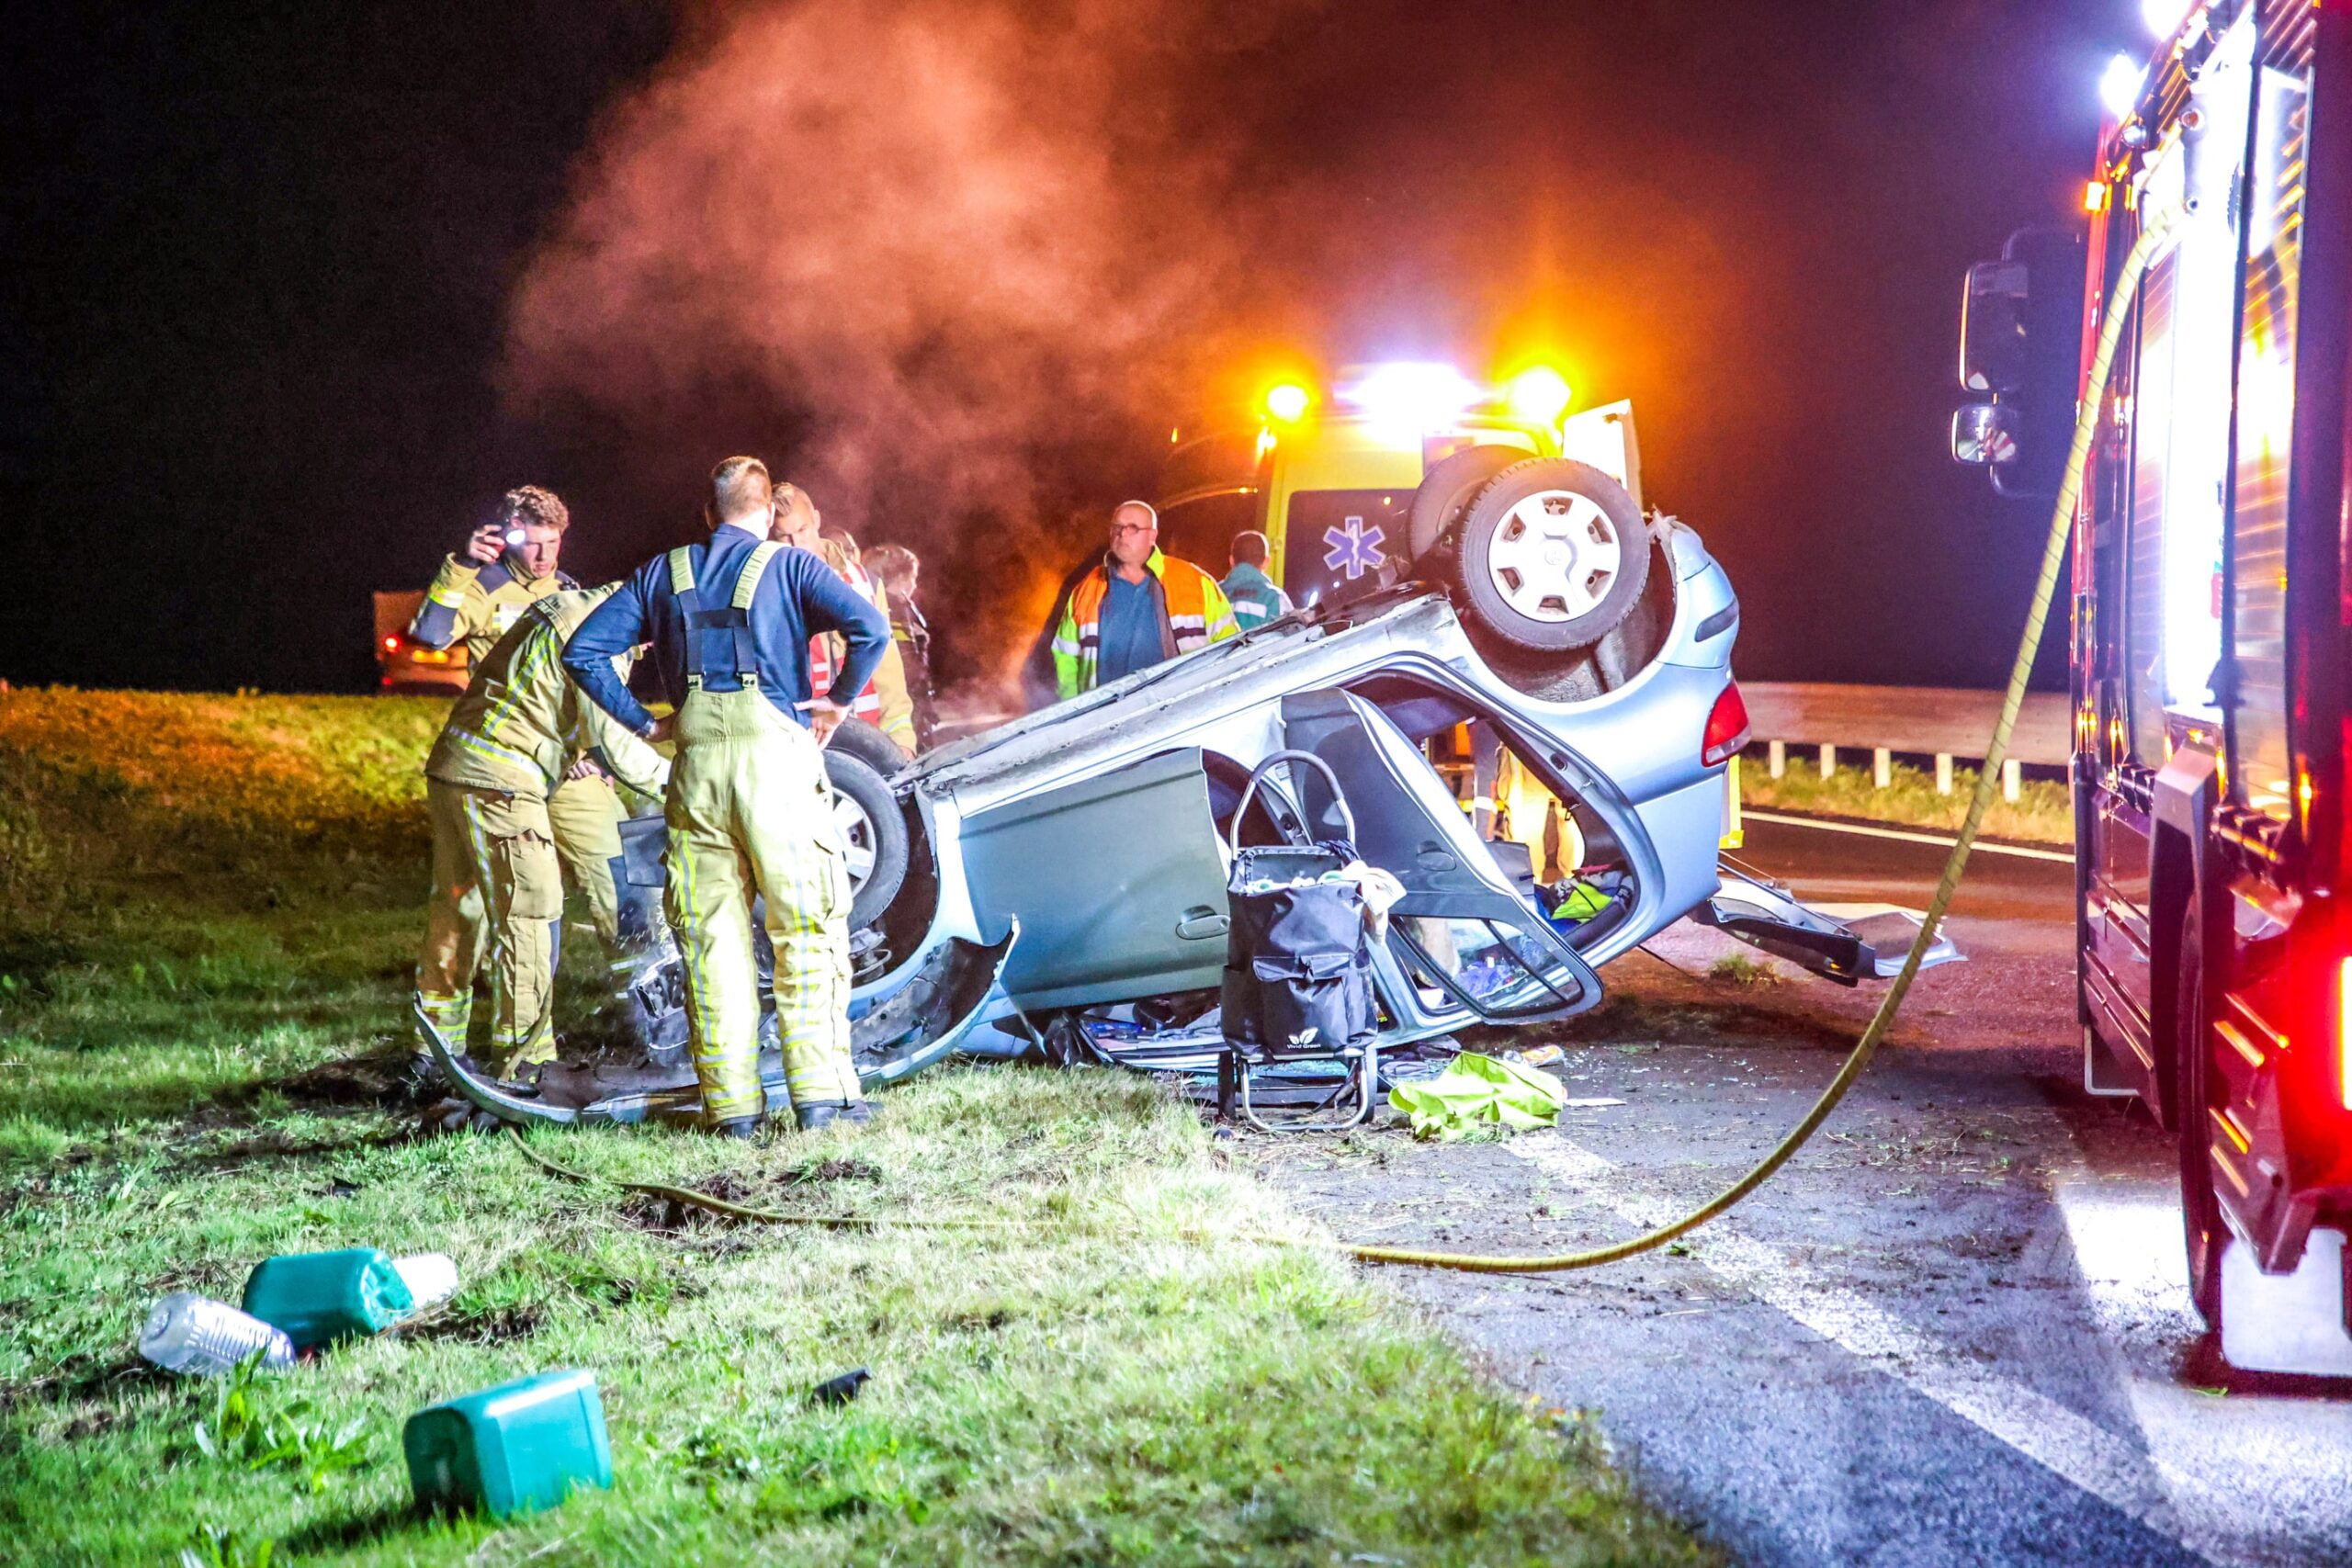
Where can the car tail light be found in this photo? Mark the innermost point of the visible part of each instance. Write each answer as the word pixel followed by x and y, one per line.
pixel 1726 727
pixel 391 644
pixel 2344 1032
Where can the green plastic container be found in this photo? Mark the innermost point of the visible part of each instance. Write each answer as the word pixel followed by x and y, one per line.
pixel 515 1449
pixel 321 1297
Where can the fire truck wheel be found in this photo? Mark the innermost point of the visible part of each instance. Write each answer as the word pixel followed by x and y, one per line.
pixel 863 741
pixel 2201 1207
pixel 1446 492
pixel 1554 555
pixel 872 832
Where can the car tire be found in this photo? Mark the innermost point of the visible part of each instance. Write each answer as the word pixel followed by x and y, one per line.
pixel 873 833
pixel 866 742
pixel 2203 1229
pixel 1446 492
pixel 1554 555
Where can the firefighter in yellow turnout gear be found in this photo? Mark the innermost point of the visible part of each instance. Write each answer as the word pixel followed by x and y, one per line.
pixel 499 762
pixel 507 566
pixel 748 806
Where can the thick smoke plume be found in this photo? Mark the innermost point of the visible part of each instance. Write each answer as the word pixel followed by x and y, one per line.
pixel 906 251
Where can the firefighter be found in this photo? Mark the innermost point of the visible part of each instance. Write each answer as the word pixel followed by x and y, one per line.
pixel 885 703
pixel 475 597
pixel 510 745
pixel 898 571
pixel 748 808
pixel 1256 597
pixel 1136 608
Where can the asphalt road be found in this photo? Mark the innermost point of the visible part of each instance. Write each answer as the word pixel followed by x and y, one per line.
pixel 1954 1330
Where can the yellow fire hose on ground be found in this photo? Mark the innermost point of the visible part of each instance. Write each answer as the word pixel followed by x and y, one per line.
pixel 2053 554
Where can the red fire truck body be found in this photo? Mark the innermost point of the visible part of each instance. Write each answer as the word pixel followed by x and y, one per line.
pixel 2213 741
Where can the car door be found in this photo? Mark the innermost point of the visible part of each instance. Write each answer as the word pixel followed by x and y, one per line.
pixel 1462 938
pixel 1115 879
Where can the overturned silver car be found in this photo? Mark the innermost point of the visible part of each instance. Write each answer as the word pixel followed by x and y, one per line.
pixel 1068 869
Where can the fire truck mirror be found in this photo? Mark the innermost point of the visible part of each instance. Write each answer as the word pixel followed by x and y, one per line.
pixel 1985 433
pixel 1993 347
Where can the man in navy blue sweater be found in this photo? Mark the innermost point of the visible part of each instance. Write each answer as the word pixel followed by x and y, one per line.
pixel 748 808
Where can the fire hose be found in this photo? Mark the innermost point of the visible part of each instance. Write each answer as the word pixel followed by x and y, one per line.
pixel 2053 554
pixel 2155 224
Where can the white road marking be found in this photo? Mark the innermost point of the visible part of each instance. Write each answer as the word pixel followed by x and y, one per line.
pixel 2147 1488
pixel 1907 834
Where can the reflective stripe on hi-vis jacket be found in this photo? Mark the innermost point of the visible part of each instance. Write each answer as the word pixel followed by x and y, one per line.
pixel 478 604
pixel 1195 608
pixel 868 706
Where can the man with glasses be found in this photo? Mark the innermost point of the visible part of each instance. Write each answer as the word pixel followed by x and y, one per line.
pixel 1136 609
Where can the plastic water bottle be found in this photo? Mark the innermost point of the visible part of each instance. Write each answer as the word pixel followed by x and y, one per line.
pixel 202 1338
pixel 430 1277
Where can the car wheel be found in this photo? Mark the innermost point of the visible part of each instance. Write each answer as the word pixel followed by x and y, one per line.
pixel 1554 555
pixel 1447 491
pixel 866 742
pixel 2201 1207
pixel 873 835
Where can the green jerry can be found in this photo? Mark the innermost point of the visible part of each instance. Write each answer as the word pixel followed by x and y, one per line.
pixel 511 1449
pixel 318 1298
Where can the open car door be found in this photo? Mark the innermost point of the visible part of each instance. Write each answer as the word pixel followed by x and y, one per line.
pixel 1463 936
pixel 1845 942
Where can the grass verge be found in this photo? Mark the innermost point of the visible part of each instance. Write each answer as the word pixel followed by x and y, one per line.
pixel 2042 813
pixel 201 1037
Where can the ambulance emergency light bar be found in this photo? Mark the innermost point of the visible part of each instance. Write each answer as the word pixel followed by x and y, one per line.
pixel 1416 395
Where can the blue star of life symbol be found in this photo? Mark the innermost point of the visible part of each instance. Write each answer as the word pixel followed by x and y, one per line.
pixel 1355 549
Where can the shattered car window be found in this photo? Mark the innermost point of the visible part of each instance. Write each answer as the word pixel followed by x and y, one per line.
pixel 1490 967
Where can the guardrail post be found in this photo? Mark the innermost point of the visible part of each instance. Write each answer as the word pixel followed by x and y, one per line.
pixel 2012 776
pixel 1776 758
pixel 1943 773
pixel 1828 760
pixel 1882 767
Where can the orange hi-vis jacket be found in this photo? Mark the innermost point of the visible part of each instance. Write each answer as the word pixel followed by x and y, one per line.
pixel 1196 610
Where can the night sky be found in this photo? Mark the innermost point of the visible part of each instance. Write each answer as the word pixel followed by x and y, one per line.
pixel 293 292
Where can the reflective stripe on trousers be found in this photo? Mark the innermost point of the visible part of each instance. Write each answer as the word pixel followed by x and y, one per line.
pixel 586 816
pixel 493 860
pixel 750 811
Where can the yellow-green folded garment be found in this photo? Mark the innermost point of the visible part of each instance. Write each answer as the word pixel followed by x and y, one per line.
pixel 1480 1095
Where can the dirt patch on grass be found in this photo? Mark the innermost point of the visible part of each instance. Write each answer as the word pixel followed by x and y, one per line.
pixel 492 1326
pixel 385 1082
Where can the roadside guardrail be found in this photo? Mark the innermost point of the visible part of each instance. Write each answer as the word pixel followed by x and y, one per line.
pixel 1942 722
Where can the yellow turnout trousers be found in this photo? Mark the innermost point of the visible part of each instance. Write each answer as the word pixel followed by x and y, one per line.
pixel 586 816
pixel 497 898
pixel 750 811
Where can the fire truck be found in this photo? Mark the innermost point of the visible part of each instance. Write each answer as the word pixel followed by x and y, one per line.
pixel 2213 764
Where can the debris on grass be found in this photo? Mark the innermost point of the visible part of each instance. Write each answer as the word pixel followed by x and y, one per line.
pixel 841 1389
pixel 222 912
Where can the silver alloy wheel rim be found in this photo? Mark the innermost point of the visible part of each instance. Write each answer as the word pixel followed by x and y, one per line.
pixel 1554 556
pixel 856 829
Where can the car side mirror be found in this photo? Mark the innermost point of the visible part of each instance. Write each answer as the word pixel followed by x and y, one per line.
pixel 1985 433
pixel 1993 347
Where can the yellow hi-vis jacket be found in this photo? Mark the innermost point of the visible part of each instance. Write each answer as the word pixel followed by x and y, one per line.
pixel 475 604
pixel 524 721
pixel 1193 613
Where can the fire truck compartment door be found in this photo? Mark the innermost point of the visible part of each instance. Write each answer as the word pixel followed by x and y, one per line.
pixel 1845 942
